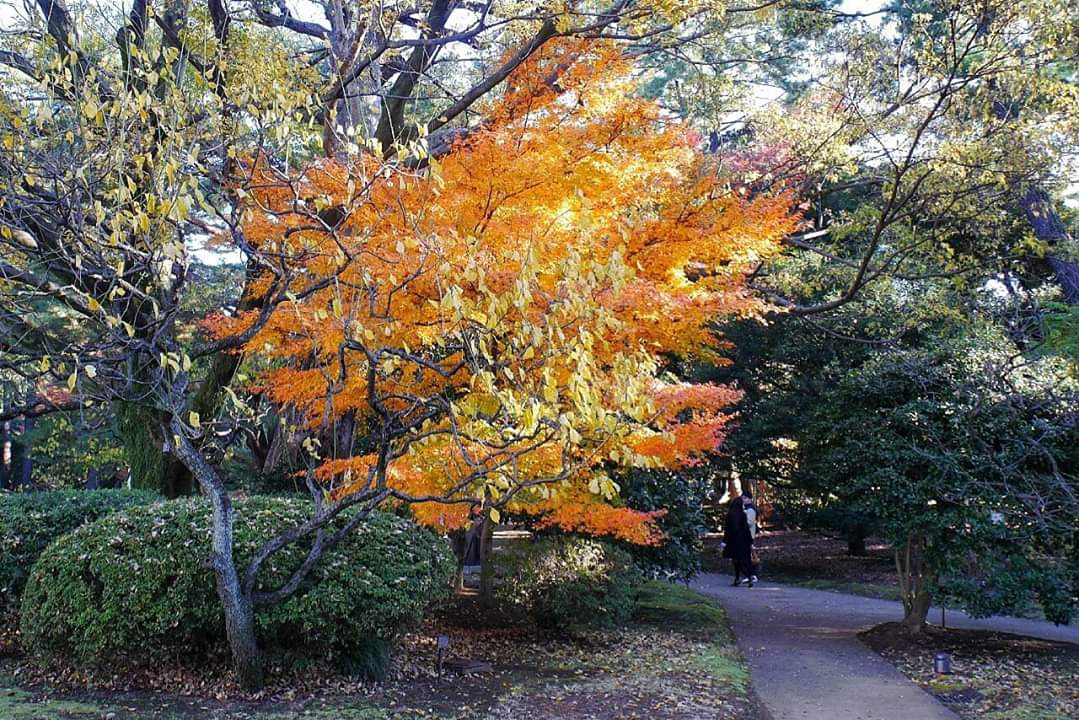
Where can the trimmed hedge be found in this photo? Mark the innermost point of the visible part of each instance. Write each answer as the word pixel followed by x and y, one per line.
pixel 136 586
pixel 30 521
pixel 570 582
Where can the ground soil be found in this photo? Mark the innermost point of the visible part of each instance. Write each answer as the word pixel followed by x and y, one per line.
pixel 995 676
pixel 676 661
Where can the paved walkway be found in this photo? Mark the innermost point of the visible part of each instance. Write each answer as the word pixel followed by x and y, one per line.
pixel 808 664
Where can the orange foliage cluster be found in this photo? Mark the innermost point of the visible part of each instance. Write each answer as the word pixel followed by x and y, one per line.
pixel 508 311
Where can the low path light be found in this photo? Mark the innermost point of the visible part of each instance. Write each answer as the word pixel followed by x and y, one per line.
pixel 443 644
pixel 943 663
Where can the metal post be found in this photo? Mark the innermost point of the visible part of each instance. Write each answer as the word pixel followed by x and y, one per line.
pixel 443 643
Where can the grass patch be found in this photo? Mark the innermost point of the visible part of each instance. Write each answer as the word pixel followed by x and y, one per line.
pixel 724 664
pixel 16 704
pixel 696 615
pixel 873 590
pixel 345 713
pixel 945 686
pixel 679 608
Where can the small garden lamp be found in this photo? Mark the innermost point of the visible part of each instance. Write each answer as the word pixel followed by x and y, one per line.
pixel 943 663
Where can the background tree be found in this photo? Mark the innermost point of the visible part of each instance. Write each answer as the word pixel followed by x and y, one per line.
pixel 910 114
pixel 932 417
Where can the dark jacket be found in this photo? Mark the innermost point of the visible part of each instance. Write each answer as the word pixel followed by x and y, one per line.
pixel 737 542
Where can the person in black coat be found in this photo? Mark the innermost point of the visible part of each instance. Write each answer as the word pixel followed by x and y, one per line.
pixel 738 542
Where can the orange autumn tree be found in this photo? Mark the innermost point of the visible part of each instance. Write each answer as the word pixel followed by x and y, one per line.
pixel 499 321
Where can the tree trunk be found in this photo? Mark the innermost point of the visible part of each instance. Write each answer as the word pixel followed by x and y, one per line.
pixel 26 466
pixel 177 481
pixel 152 468
pixel 487 571
pixel 1050 229
pixel 916 612
pixel 1066 273
pixel 239 612
pixel 1043 218
pixel 457 544
pixel 238 605
pixel 5 451
pixel 914 583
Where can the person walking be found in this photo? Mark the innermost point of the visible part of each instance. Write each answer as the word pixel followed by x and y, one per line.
pixel 751 522
pixel 738 541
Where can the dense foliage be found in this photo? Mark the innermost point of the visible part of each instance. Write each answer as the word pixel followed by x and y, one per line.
pixel 566 582
pixel 963 461
pixel 950 441
pixel 679 498
pixel 30 521
pixel 135 586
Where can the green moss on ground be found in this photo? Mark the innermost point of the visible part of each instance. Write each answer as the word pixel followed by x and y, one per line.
pixel 18 704
pixel 873 590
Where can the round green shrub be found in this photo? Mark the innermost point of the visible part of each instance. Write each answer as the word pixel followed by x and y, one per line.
pixel 136 585
pixel 569 582
pixel 30 521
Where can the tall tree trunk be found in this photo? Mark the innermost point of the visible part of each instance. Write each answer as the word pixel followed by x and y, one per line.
pixel 151 466
pixel 457 544
pixel 917 611
pixel 1043 218
pixel 1050 229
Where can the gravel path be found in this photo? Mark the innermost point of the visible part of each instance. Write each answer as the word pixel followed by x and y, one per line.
pixel 808 664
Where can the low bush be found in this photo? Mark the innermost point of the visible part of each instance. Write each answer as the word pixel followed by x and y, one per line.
pixel 569 582
pixel 30 521
pixel 136 585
